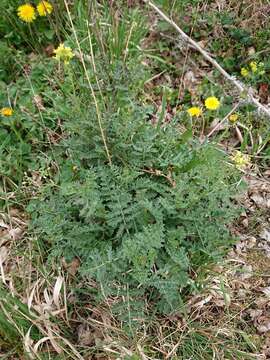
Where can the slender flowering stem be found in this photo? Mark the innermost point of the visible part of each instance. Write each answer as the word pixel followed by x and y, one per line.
pixel 90 86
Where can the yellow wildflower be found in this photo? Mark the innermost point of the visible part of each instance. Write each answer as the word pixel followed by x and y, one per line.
pixel 212 103
pixel 63 53
pixel 26 13
pixel 253 65
pixel 44 8
pixel 261 68
pixel 6 111
pixel 195 111
pixel 244 72
pixel 233 118
pixel 240 160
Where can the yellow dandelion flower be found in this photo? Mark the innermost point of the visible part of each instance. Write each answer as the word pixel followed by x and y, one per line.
pixel 63 53
pixel 6 111
pixel 253 65
pixel 26 13
pixel 244 72
pixel 233 118
pixel 195 111
pixel 212 103
pixel 240 160
pixel 44 8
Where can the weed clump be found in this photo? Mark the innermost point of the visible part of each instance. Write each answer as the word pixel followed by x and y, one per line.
pixel 148 222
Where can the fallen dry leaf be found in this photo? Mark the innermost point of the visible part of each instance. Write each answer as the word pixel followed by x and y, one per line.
pixel 88 336
pixel 57 290
pixel 255 313
pixel 38 102
pixel 265 235
pixel 264 326
pixel 266 291
pixel 71 267
pixel 16 233
pixel 3 254
pixel 246 272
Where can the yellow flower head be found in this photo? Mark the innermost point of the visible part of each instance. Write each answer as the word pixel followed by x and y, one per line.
pixel 63 53
pixel 6 111
pixel 261 68
pixel 253 65
pixel 44 8
pixel 233 118
pixel 212 103
pixel 26 13
pixel 240 160
pixel 244 72
pixel 195 111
